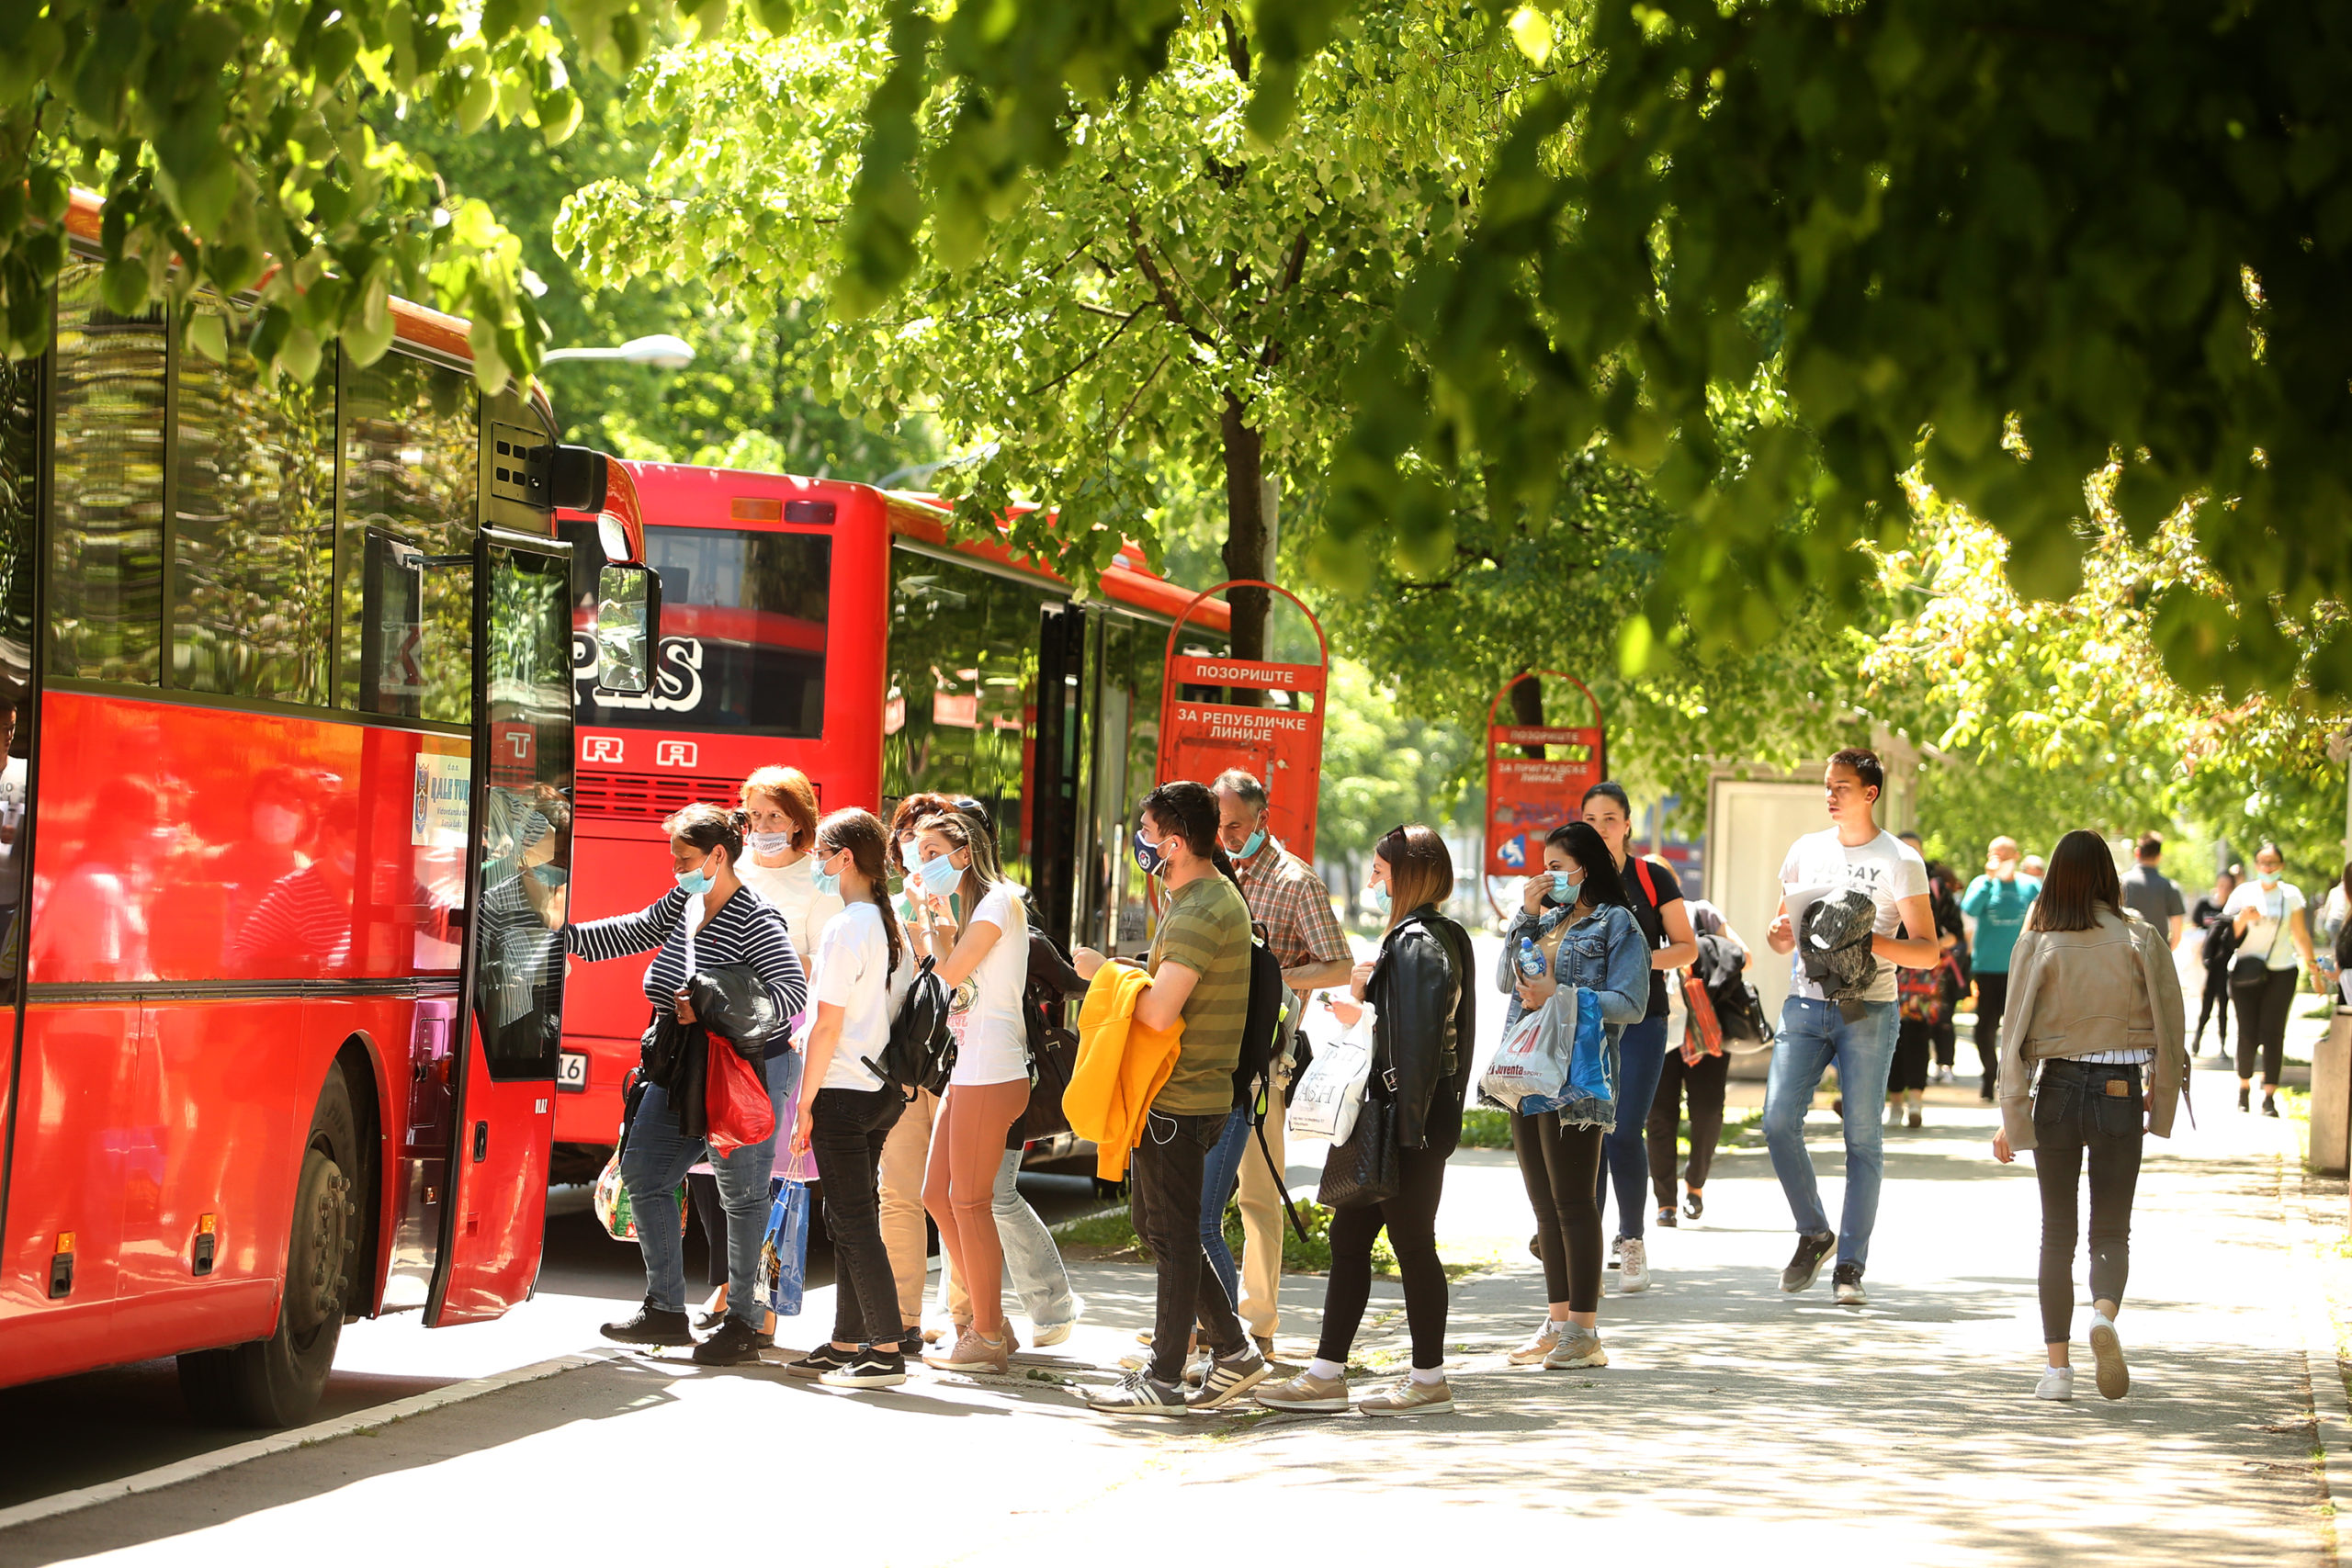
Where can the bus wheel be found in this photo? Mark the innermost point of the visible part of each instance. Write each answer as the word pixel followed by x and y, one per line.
pixel 277 1382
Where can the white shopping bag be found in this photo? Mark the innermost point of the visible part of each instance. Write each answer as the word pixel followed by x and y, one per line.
pixel 1327 1096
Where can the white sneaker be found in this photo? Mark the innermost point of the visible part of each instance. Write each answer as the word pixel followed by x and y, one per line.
pixel 2114 1377
pixel 1539 1344
pixel 2057 1382
pixel 1894 1113
pixel 1634 1266
pixel 1059 1333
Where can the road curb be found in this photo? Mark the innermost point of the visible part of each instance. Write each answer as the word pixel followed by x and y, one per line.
pixel 2330 1406
pixel 202 1465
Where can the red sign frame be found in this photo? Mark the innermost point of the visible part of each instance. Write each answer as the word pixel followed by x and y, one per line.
pixel 1529 796
pixel 1284 747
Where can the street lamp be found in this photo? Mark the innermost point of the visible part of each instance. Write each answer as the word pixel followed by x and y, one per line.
pixel 661 351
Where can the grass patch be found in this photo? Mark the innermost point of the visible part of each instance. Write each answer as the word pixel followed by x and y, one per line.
pixel 1111 1239
pixel 1483 1127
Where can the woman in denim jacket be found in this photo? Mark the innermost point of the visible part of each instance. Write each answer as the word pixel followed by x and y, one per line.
pixel 1578 916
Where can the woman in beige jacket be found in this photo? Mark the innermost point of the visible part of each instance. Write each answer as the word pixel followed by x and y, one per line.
pixel 2095 1004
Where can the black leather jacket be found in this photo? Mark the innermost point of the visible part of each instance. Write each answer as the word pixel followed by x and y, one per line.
pixel 1422 1028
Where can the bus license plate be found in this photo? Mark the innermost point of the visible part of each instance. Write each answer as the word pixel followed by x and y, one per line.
pixel 572 1071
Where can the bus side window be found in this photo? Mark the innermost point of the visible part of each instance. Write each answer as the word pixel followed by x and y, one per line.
pixel 105 609
pixel 411 461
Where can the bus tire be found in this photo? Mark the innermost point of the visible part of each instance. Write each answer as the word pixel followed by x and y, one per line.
pixel 278 1381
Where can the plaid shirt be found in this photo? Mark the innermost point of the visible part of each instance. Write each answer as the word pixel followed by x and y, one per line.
pixel 1286 896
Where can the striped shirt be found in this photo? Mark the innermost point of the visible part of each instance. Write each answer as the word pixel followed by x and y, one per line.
pixel 747 929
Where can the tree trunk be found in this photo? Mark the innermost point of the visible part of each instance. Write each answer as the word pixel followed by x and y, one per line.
pixel 1527 707
pixel 1245 534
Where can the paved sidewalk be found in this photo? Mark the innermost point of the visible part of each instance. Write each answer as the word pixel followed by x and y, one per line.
pixel 1734 1421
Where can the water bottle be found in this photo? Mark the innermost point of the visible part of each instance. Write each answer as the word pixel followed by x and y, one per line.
pixel 1530 958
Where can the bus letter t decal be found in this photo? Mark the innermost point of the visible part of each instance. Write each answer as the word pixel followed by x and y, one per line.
pixel 675 754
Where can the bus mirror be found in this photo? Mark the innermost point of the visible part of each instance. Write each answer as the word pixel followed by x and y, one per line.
pixel 628 609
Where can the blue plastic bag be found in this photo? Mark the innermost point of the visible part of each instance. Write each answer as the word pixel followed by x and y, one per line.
pixel 784 1253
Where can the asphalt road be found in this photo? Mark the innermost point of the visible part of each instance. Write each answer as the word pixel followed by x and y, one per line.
pixel 81 1431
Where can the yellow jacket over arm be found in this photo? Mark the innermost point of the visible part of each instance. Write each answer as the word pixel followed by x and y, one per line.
pixel 1122 1065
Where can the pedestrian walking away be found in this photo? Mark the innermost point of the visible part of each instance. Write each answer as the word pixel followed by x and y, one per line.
pixel 846 1121
pixel 2094 1044
pixel 2220 946
pixel 1573 931
pixel 1924 1000
pixel 1655 899
pixel 979 949
pixel 708 920
pixel 1199 964
pixel 1424 1018
pixel 1292 908
pixel 1852 1030
pixel 2267 916
pixel 1997 901
pixel 2150 894
pixel 1695 1070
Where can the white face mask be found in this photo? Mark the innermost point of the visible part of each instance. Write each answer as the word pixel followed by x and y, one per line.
pixel 770 843
pixel 276 824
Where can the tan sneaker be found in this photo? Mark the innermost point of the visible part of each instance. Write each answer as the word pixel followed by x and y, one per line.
pixel 1576 1347
pixel 1308 1393
pixel 1539 1344
pixel 1406 1398
pixel 973 1352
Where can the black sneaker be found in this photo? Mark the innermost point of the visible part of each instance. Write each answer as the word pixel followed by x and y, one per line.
pixel 818 1362
pixel 1667 1216
pixel 1694 1203
pixel 2269 1105
pixel 911 1343
pixel 734 1344
pixel 651 1325
pixel 2246 1097
pixel 873 1367
pixel 1848 1280
pixel 1811 1250
pixel 1227 1379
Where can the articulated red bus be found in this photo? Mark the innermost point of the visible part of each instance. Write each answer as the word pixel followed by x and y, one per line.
pixel 831 628
pixel 286 820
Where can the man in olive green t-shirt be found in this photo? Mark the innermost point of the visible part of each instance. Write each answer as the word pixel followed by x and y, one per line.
pixel 1206 928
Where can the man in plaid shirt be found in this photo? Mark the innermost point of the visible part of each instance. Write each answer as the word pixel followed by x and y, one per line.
pixel 1291 903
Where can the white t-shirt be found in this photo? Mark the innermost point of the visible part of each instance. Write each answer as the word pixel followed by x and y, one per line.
pixel 2266 938
pixel 793 890
pixel 993 1044
pixel 852 970
pixel 1818 866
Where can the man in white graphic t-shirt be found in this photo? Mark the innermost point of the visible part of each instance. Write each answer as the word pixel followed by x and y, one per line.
pixel 1853 853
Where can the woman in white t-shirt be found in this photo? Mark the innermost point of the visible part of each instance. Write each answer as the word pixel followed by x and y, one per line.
pixel 782 805
pixel 2267 912
pixel 983 962
pixel 846 1121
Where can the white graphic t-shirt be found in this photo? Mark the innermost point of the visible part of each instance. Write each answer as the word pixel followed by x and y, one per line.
pixel 1818 866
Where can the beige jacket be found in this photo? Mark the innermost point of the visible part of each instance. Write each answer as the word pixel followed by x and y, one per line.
pixel 2111 988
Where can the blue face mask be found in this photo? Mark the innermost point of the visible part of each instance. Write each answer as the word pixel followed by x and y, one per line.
pixel 828 884
pixel 940 875
pixel 1380 898
pixel 694 882
pixel 1252 844
pixel 1565 885
pixel 1148 856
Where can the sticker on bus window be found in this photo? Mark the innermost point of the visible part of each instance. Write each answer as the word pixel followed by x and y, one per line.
pixel 438 814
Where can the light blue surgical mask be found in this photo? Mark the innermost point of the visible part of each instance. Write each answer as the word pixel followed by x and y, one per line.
pixel 694 882
pixel 1252 844
pixel 1565 885
pixel 828 884
pixel 1380 900
pixel 941 876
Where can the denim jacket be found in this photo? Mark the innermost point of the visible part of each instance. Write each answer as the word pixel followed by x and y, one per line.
pixel 1604 953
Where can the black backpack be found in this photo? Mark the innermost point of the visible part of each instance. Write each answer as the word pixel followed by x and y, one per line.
pixel 922 1052
pixel 1267 997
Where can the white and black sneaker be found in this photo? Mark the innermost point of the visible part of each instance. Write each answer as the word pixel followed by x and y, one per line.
pixel 1848 1280
pixel 870 1368
pixel 1805 1266
pixel 1228 1378
pixel 1138 1393
pixel 818 1362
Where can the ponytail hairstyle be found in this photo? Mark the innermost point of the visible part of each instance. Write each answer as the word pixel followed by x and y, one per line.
pixel 860 832
pixel 1584 844
pixel 1421 871
pixel 709 827
pixel 984 874
pixel 1188 811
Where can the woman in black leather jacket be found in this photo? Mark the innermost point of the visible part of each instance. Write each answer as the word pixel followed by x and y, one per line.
pixel 1424 1006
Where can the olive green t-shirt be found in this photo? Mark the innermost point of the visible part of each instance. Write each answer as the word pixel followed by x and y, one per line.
pixel 1206 928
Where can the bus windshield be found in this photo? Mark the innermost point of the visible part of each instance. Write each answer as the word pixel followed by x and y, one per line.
pixel 743 624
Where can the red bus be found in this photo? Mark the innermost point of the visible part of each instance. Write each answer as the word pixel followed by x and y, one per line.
pixel 831 627
pixel 287 826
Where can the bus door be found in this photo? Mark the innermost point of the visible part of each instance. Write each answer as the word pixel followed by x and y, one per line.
pixel 519 866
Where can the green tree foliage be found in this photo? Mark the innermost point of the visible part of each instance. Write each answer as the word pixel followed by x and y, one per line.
pixel 1381 767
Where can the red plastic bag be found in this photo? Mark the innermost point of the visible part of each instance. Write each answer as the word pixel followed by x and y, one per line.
pixel 736 1108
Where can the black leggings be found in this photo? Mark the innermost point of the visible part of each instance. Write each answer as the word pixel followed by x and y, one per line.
pixel 2262 1023
pixel 703 1187
pixel 2075 1115
pixel 1992 1000
pixel 1410 1218
pixel 1560 1165
pixel 1703 1081
pixel 1913 1041
pixel 2215 1008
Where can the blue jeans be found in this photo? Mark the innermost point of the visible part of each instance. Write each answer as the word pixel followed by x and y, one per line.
pixel 1814 1035
pixel 657 1158
pixel 1220 1175
pixel 1624 1150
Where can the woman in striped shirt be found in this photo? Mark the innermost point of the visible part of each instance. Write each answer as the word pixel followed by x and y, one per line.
pixel 709 918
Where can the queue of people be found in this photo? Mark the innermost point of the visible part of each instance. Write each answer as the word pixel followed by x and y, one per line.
pixel 2080 1027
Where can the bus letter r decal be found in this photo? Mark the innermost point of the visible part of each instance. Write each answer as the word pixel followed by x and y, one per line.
pixel 600 749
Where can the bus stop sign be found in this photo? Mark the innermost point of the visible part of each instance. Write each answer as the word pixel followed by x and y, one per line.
pixel 1280 742
pixel 1528 797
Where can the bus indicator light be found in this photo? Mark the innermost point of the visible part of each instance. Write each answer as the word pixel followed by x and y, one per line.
pixel 60 1266
pixel 207 1227
pixel 755 509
